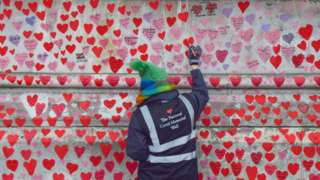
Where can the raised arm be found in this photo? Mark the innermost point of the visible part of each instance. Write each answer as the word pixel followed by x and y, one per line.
pixel 199 95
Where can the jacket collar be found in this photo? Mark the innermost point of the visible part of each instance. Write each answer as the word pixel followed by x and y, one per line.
pixel 162 96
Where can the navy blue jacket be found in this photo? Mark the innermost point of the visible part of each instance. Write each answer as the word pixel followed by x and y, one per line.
pixel 173 156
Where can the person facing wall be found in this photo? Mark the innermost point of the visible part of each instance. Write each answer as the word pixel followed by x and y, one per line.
pixel 162 132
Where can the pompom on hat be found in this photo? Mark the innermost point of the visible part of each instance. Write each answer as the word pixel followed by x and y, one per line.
pixel 153 80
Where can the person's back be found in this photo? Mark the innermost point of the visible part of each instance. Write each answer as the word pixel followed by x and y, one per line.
pixel 162 133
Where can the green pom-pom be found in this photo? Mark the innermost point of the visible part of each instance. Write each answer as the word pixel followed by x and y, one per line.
pixel 138 65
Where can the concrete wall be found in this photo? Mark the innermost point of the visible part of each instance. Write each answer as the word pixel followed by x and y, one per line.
pixel 67 90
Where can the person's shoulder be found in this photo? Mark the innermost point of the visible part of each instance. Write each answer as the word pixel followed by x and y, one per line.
pixel 191 98
pixel 135 110
pixel 188 95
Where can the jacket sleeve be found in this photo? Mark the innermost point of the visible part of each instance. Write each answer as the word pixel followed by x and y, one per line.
pixel 199 95
pixel 137 148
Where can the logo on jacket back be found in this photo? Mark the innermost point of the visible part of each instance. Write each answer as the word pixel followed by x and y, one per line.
pixel 169 110
pixel 172 120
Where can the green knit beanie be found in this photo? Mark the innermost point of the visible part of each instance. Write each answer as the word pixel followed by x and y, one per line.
pixel 153 80
pixel 149 71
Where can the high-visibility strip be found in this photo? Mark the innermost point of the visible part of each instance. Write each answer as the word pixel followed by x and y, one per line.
pixel 172 159
pixel 189 108
pixel 174 143
pixel 157 147
pixel 152 129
